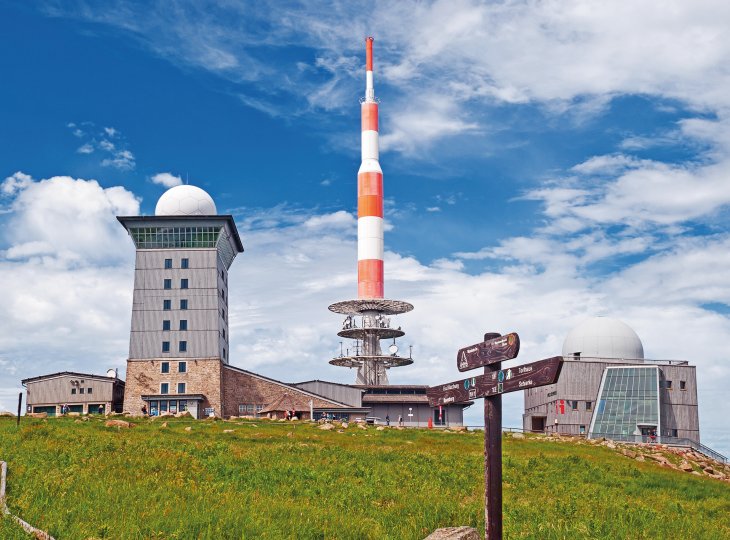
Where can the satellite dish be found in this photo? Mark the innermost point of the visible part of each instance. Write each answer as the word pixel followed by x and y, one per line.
pixel 111 372
pixel 393 348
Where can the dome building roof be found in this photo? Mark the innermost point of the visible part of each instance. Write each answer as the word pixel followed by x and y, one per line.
pixel 603 337
pixel 185 200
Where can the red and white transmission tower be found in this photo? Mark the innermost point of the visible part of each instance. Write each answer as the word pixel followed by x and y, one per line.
pixel 367 318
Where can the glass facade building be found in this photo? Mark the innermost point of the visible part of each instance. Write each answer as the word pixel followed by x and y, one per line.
pixel 628 405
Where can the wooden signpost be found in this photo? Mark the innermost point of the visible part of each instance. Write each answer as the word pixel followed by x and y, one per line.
pixel 491 385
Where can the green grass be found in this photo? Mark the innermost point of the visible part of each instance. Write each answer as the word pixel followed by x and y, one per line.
pixel 283 480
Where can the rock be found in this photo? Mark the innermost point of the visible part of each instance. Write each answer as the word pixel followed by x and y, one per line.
pixel 697 473
pixel 362 426
pixel 709 470
pixel 380 428
pixel 345 425
pixel 659 458
pixel 327 427
pixel 164 425
pixel 6 413
pixel 460 429
pixel 118 424
pixel 685 466
pixel 454 533
pixel 517 435
pixel 38 415
pixel 188 428
pixel 639 458
pixel 184 414
pixel 294 418
pixel 290 434
pixel 228 430
pixel 628 453
pixel 77 421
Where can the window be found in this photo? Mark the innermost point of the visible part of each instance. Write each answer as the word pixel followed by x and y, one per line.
pixel 181 388
pixel 683 385
pixel 165 346
pixel 183 324
pixel 674 433
pixel 73 391
pixel 582 430
pixel 165 366
pixel 183 304
pixel 167 284
pixel 81 390
pixel 168 263
pixel 589 405
pixel 165 325
pixel 184 263
pixel 183 346
pixel 241 409
pixel 184 283
pixel 182 405
pixel 668 385
pixel 224 333
pixel 88 390
pixel 223 314
pixel 574 405
pixel 182 367
pixel 259 408
pixel 164 388
pixel 166 305
pixel 224 353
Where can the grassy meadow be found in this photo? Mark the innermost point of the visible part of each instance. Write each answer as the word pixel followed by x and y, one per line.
pixel 80 480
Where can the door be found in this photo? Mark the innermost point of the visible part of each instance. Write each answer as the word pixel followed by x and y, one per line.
pixel 538 424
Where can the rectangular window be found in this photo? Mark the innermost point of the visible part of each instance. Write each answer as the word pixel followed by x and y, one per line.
pixel 168 263
pixel 183 405
pixel 181 388
pixel 163 405
pixel 589 405
pixel 184 283
pixel 574 405
pixel 674 433
pixel 182 367
pixel 165 366
pixel 88 390
pixel 167 305
pixel 183 346
pixel 224 333
pixel 165 346
pixel 582 430
pixel 173 406
pixel 259 408
pixel 167 284
pixel 183 324
pixel 184 263
pixel 81 390
pixel 241 409
pixel 669 385
pixel 224 354
pixel 683 385
pixel 223 314
pixel 165 325
pixel 164 388
pixel 183 304
pixel 73 391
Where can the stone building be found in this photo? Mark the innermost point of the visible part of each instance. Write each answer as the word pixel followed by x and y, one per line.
pixel 608 389
pixel 83 393
pixel 179 340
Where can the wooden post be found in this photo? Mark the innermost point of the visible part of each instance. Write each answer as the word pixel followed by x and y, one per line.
pixel 20 404
pixel 492 458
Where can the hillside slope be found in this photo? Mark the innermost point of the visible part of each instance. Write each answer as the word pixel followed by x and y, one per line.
pixel 242 479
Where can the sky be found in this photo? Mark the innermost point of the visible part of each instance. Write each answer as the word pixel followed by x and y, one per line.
pixel 544 162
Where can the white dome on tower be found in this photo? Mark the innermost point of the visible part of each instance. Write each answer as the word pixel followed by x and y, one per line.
pixel 185 200
pixel 603 337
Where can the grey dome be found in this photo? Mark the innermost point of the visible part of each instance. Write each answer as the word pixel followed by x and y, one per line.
pixel 603 337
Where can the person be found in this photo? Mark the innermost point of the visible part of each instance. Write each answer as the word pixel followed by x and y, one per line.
pixel 101 409
pixel 400 420
pixel 144 410
pixel 387 419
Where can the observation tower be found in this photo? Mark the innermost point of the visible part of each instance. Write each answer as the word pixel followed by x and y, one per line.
pixel 367 319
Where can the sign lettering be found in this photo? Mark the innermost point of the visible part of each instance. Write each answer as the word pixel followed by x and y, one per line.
pixel 488 352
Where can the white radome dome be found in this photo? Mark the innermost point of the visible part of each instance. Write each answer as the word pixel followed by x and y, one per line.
pixel 185 200
pixel 603 337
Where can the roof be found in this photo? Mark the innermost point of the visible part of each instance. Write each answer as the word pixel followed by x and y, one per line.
pixel 392 386
pixel 72 374
pixel 395 398
pixel 124 220
pixel 285 385
pixel 286 402
pixel 329 382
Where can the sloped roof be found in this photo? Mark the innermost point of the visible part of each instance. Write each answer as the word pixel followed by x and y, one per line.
pixel 287 402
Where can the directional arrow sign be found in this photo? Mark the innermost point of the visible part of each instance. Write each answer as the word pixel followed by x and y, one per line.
pixel 504 381
pixel 488 352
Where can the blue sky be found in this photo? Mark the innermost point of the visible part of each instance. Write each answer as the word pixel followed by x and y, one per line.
pixel 544 162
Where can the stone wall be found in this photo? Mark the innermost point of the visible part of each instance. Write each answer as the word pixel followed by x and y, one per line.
pixel 243 387
pixel 203 376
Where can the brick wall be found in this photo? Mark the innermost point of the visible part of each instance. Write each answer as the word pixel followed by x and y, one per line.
pixel 245 388
pixel 203 376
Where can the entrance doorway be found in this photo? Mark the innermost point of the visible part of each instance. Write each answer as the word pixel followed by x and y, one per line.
pixel 538 424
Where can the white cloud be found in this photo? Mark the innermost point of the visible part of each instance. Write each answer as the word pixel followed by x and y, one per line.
pixel 15 183
pixel 166 179
pixel 85 148
pixel 122 160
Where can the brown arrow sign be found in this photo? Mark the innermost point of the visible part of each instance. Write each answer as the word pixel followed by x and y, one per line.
pixel 504 381
pixel 488 352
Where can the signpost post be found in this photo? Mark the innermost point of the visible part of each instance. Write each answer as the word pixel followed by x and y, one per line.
pixel 491 385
